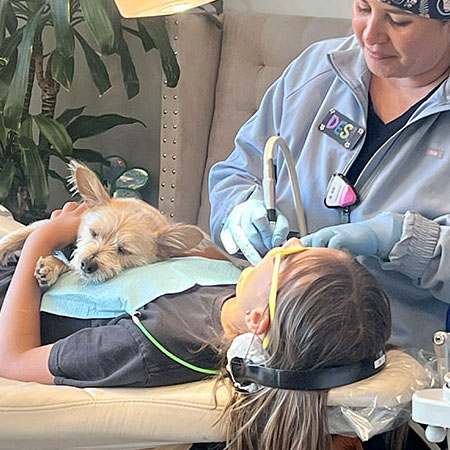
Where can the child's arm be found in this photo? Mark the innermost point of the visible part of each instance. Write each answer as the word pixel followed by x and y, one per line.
pixel 21 355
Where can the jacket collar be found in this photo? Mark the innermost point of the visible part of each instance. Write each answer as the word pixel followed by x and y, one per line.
pixel 349 65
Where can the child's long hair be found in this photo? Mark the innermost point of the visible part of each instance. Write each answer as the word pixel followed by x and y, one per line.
pixel 330 311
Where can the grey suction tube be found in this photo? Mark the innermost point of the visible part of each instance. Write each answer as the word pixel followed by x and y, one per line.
pixel 269 179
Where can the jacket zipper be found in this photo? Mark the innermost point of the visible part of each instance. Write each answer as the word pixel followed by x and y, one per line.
pixel 347 210
pixel 346 214
pixel 369 180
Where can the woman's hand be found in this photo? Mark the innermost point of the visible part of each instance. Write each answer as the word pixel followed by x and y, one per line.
pixel 248 229
pixel 372 237
pixel 62 227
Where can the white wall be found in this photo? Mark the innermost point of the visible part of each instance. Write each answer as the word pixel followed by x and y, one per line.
pixel 321 8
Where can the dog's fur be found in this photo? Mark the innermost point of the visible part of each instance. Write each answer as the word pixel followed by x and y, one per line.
pixel 115 234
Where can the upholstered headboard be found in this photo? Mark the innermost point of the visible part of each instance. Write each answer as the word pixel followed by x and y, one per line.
pixel 223 78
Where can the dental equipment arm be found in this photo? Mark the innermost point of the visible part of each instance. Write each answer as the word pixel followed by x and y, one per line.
pixel 269 182
pixel 432 406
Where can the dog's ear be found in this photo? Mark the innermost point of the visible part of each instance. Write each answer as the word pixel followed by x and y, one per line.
pixel 86 182
pixel 177 240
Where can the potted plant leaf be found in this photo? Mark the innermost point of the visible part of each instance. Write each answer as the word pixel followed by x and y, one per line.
pixel 28 61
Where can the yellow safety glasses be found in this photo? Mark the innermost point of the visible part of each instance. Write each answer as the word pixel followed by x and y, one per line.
pixel 277 253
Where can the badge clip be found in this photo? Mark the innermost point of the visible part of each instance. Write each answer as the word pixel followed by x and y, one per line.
pixel 340 192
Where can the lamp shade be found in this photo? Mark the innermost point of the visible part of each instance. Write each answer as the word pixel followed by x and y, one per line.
pixel 148 8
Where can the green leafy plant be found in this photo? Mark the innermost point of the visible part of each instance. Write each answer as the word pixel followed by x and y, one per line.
pixel 27 60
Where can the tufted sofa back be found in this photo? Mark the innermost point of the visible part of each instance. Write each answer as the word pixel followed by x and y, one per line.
pixel 223 78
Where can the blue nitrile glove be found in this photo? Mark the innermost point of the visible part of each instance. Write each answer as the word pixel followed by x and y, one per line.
pixel 249 229
pixel 372 237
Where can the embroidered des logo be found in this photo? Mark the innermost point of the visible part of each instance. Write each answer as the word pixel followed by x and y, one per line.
pixel 341 129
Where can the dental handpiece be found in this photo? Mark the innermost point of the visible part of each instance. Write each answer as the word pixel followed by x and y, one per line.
pixel 269 191
pixel 269 182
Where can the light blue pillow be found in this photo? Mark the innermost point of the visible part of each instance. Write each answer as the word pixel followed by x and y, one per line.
pixel 70 296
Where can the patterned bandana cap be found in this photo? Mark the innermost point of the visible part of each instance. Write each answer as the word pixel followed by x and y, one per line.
pixel 434 9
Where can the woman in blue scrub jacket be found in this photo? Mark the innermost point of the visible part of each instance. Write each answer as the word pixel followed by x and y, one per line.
pixel 366 118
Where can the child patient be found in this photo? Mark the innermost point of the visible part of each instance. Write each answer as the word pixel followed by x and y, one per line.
pixel 325 310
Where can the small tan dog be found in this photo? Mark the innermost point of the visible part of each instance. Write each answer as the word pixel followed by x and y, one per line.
pixel 114 234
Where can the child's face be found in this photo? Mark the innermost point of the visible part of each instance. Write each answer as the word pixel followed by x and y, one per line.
pixel 253 287
pixel 248 311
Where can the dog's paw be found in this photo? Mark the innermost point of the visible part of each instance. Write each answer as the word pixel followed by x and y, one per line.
pixel 6 257
pixel 48 269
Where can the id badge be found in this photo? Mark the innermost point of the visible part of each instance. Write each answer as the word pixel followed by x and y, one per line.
pixel 342 129
pixel 340 192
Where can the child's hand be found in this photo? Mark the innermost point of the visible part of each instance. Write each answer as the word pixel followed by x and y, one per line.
pixel 62 228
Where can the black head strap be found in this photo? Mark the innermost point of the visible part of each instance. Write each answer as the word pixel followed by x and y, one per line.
pixel 245 372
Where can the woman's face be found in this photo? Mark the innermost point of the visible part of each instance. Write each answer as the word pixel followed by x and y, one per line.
pixel 398 44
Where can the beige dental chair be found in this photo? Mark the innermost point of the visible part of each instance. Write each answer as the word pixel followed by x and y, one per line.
pixel 36 417
pixel 224 75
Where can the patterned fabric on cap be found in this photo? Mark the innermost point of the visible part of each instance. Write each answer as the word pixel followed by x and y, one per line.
pixel 435 9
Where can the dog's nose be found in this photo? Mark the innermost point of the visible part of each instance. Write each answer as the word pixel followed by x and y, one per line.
pixel 88 266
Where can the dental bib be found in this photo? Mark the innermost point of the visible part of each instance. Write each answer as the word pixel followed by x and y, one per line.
pixel 132 289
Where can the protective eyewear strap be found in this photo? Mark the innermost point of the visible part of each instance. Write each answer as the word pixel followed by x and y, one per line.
pixel 278 254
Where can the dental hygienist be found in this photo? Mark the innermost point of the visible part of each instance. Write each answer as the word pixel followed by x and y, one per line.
pixel 367 119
